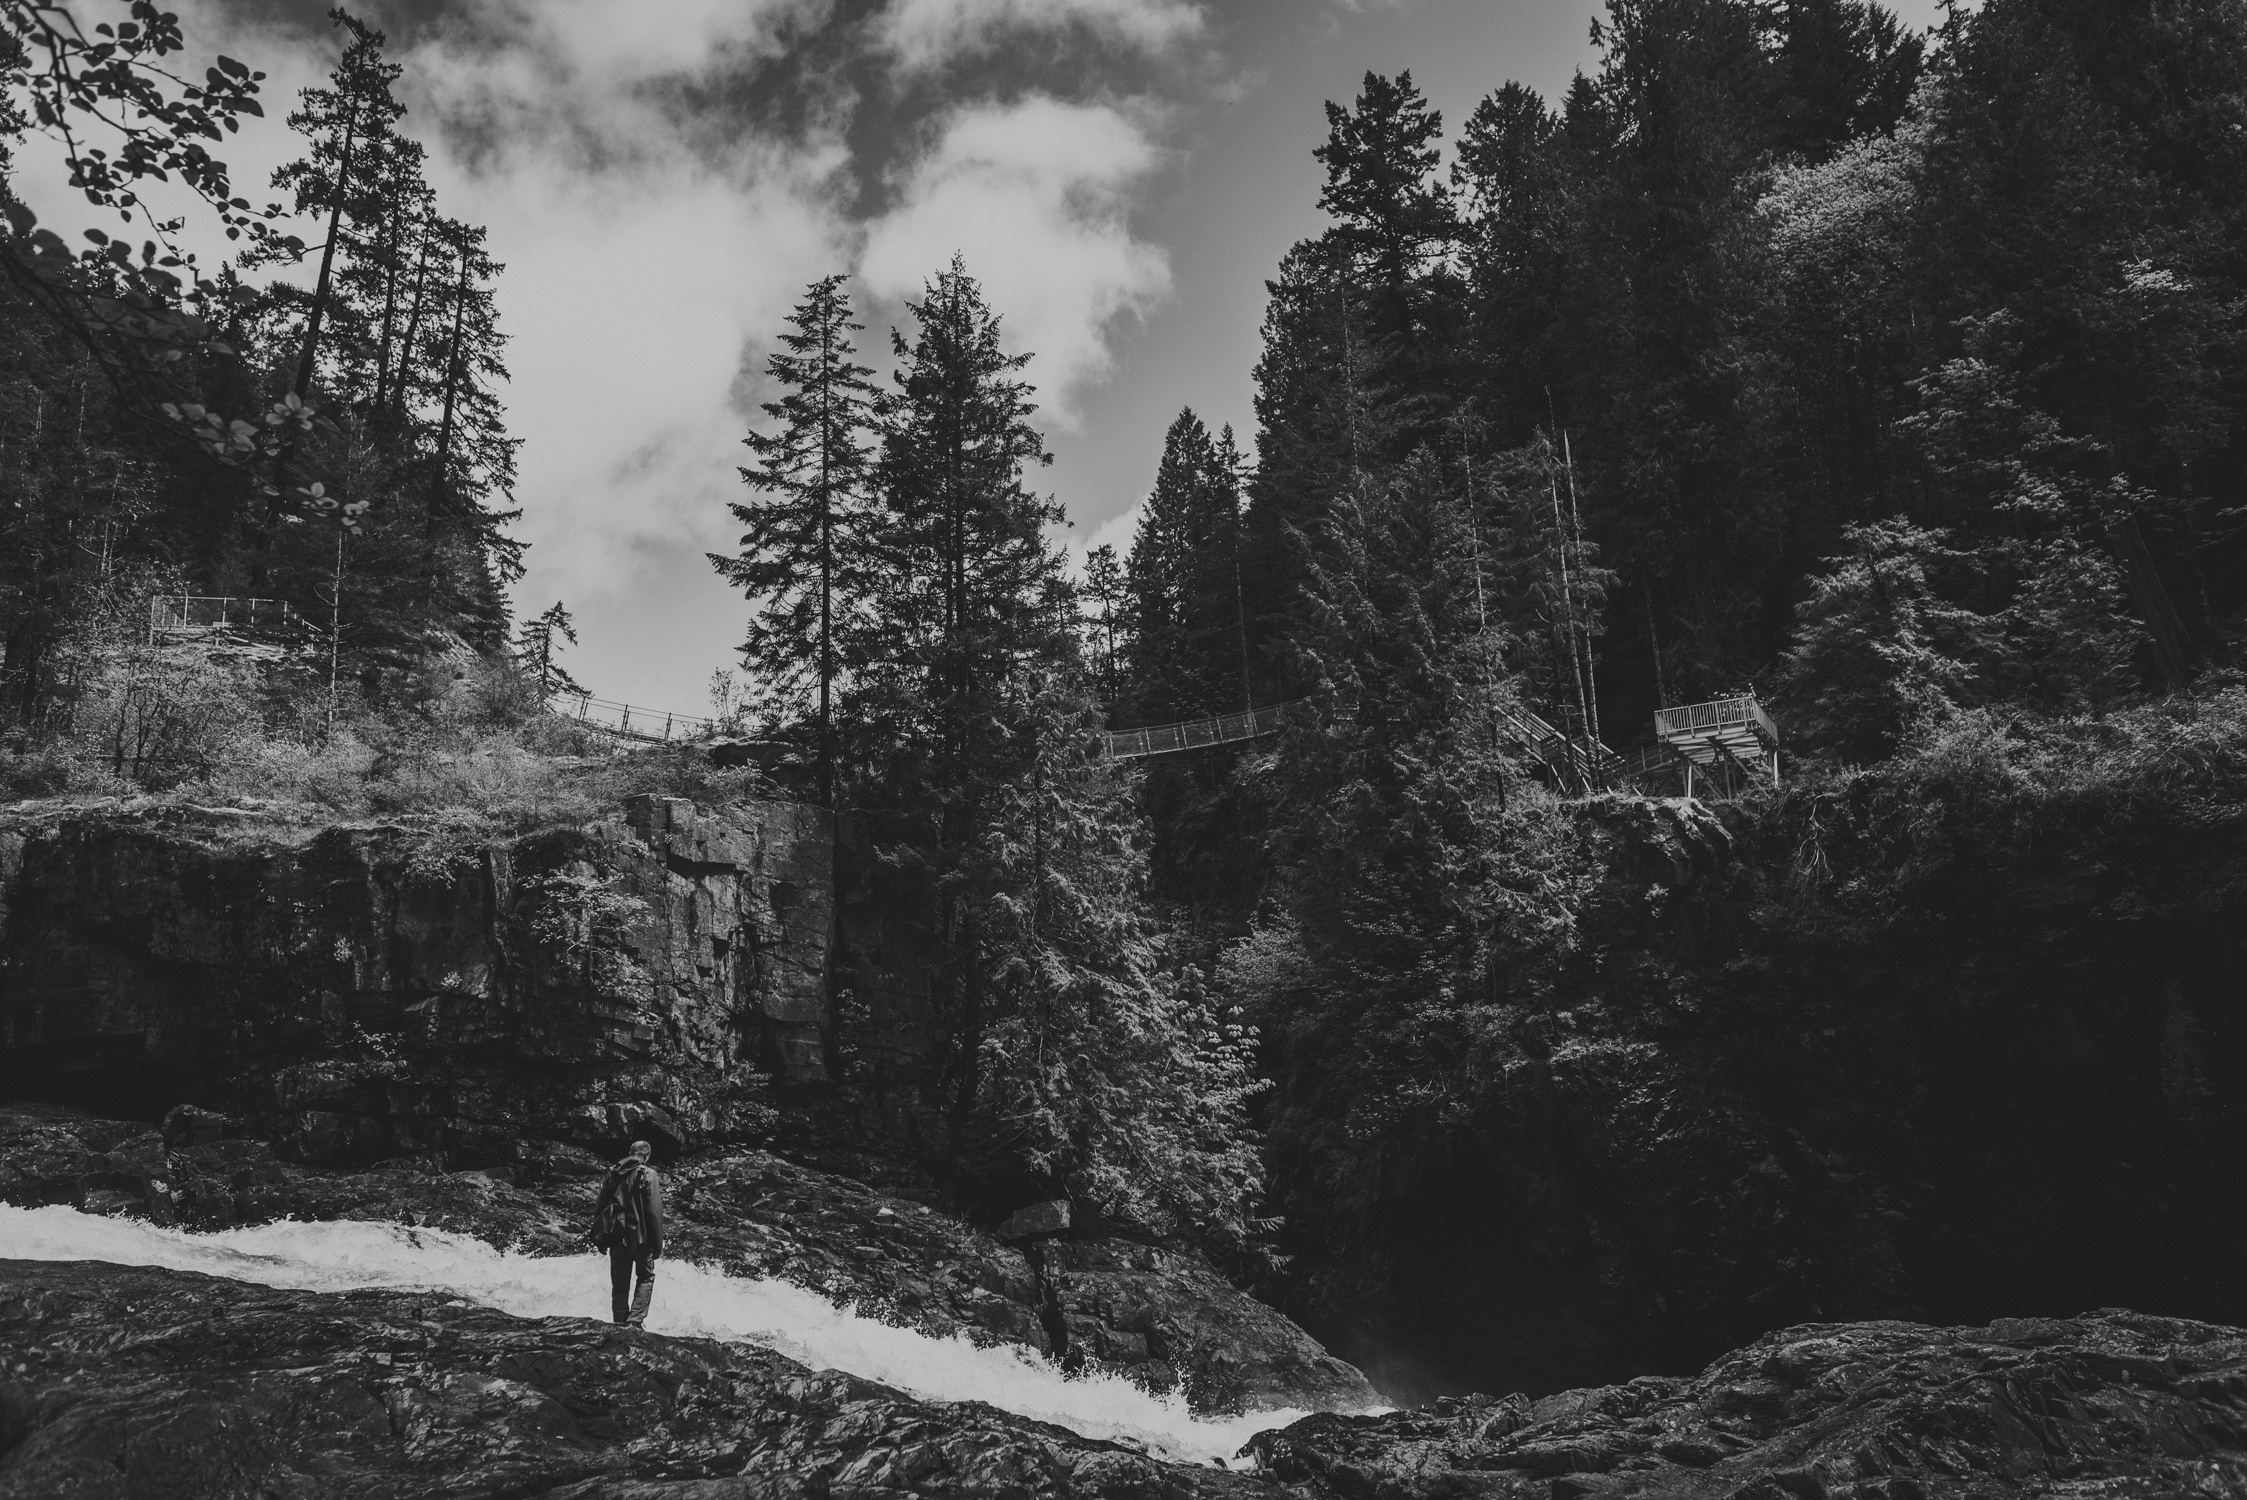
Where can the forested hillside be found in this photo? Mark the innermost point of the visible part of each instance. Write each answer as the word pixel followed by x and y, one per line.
pixel 1886 376
pixel 316 423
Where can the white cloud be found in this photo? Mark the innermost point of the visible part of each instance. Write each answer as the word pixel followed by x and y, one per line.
pixel 585 80
pixel 643 268
pixel 1037 196
pixel 921 33
pixel 1118 531
pixel 617 42
pixel 651 256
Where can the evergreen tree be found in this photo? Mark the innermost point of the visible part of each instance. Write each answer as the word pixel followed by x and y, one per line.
pixel 805 558
pixel 1106 592
pixel 1070 1049
pixel 1113 1070
pixel 470 460
pixel 1876 650
pixel 1392 212
pixel 1321 430
pixel 397 342
pixel 542 639
pixel 355 155
pixel 1511 179
pixel 1184 584
pixel 966 580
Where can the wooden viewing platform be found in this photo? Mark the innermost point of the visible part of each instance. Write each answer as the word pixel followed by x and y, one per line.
pixel 1724 735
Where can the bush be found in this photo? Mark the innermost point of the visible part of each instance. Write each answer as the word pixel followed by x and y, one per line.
pixel 34 771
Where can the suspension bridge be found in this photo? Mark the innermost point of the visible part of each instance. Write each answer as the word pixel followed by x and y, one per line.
pixel 1726 741
pixel 649 726
pixel 1729 741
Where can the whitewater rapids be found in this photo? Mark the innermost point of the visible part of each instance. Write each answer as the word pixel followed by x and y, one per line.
pixel 690 1300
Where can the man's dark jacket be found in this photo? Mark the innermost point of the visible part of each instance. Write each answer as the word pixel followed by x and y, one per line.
pixel 640 1202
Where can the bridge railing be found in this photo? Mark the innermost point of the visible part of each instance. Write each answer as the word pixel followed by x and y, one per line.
pixel 654 725
pixel 1191 734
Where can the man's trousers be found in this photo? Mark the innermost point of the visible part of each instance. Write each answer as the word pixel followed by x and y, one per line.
pixel 631 1306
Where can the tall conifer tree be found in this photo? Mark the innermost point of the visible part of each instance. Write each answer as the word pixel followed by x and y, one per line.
pixel 805 558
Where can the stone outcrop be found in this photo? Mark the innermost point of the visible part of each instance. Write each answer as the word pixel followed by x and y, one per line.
pixel 382 991
pixel 2110 1404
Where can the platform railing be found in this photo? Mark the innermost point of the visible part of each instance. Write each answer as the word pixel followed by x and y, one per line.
pixel 199 614
pixel 1721 713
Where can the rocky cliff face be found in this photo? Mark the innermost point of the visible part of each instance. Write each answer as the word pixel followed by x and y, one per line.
pixel 1948 1048
pixel 390 992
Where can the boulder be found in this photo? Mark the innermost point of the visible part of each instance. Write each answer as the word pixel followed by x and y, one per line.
pixel 2110 1404
pixel 1036 1221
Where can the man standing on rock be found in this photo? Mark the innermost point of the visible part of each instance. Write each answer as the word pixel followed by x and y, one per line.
pixel 628 1221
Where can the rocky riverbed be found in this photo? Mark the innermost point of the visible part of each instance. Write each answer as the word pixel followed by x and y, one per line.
pixel 132 1380
pixel 1160 1317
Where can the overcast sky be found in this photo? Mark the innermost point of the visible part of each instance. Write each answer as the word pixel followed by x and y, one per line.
pixel 662 177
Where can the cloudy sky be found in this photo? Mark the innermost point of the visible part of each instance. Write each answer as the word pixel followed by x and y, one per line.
pixel 662 177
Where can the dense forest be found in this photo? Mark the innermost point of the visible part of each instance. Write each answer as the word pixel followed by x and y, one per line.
pixel 1886 376
pixel 1897 379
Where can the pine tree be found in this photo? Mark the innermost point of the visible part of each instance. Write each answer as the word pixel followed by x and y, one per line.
pixel 1071 1049
pixel 963 547
pixel 1113 1071
pixel 1105 590
pixel 542 640
pixel 1392 211
pixel 352 129
pixel 355 153
pixel 1322 429
pixel 470 462
pixel 1184 583
pixel 1876 649
pixel 805 558
pixel 397 344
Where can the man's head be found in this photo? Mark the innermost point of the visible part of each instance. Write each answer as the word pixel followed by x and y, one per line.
pixel 641 1151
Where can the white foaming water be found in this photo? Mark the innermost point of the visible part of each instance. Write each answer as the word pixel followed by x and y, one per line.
pixel 692 1300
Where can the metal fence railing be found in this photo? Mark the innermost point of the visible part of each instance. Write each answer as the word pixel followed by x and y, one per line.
pixel 198 614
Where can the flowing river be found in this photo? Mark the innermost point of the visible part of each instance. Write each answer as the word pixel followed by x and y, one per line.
pixel 690 1300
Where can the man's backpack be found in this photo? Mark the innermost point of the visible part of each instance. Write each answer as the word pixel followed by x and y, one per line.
pixel 608 1219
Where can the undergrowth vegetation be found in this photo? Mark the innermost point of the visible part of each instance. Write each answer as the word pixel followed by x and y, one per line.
pixel 234 722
